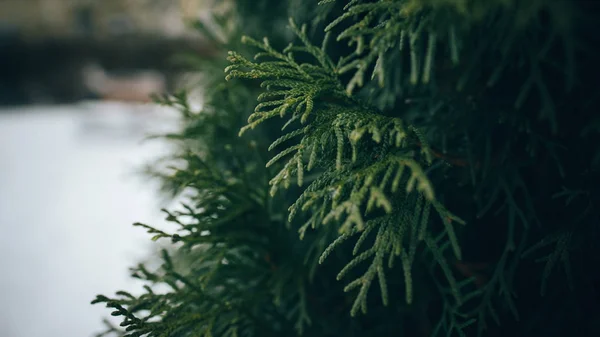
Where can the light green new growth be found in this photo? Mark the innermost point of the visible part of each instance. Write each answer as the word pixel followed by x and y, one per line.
pixel 368 157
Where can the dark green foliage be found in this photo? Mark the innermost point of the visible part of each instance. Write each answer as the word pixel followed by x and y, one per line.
pixel 440 157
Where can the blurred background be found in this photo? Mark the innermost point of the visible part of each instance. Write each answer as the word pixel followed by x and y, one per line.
pixel 75 77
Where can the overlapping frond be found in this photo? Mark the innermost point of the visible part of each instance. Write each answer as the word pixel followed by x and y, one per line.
pixel 375 161
pixel 391 37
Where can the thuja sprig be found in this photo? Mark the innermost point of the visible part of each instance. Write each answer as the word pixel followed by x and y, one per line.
pixel 334 130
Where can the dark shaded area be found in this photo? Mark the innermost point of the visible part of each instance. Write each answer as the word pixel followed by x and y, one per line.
pixel 50 71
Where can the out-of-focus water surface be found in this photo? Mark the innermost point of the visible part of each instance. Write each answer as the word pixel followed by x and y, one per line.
pixel 69 191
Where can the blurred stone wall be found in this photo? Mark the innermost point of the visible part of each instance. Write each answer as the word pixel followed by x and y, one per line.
pixel 45 44
pixel 38 19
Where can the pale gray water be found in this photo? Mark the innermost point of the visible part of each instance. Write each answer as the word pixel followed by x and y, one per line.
pixel 69 193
